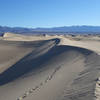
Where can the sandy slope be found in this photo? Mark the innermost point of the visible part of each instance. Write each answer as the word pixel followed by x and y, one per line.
pixel 49 67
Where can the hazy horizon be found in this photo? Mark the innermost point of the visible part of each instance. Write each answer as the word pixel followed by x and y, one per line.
pixel 52 26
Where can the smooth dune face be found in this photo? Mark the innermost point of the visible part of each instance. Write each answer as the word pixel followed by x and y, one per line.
pixel 49 67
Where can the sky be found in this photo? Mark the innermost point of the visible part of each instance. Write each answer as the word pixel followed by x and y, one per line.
pixel 49 13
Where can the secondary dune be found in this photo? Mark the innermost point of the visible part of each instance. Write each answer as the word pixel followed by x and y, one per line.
pixel 49 68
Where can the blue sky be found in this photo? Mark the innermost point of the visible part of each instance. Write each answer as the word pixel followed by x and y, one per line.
pixel 49 13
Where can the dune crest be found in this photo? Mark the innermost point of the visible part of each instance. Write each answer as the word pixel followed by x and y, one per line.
pixel 8 34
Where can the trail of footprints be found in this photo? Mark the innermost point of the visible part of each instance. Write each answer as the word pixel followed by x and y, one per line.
pixel 30 91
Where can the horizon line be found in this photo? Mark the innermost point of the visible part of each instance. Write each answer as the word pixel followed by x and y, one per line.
pixel 49 27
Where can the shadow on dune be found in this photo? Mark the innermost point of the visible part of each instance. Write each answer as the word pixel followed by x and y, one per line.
pixel 26 65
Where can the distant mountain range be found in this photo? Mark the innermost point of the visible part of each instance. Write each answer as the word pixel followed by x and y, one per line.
pixel 57 30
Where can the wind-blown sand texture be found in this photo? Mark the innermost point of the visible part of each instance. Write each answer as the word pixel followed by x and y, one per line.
pixel 47 67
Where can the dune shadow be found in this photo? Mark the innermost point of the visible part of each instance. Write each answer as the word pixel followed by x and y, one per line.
pixel 24 66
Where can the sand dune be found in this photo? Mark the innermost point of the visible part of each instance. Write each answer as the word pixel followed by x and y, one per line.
pixel 49 67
